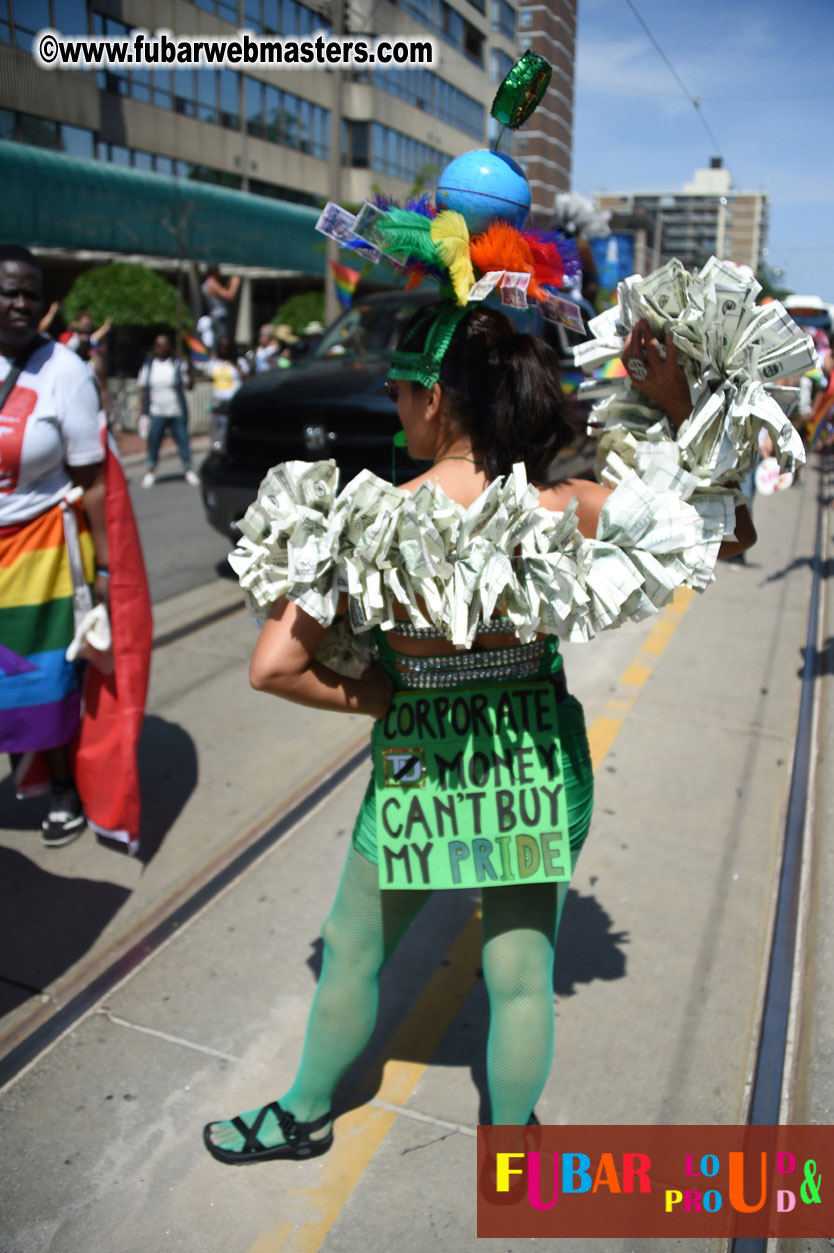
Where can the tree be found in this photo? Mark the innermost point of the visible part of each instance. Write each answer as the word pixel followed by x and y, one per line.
pixel 130 295
pixel 299 310
pixel 772 281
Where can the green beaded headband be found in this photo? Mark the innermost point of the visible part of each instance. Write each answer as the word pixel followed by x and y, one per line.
pixel 424 367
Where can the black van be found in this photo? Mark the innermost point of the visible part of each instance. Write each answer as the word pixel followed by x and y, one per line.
pixel 331 405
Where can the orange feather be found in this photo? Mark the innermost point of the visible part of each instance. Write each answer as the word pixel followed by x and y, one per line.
pixel 502 247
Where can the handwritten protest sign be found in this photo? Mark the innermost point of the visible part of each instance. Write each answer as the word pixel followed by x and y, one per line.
pixel 470 789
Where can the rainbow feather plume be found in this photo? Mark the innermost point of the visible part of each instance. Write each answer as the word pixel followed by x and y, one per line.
pixel 541 243
pixel 503 247
pixel 408 237
pixel 451 237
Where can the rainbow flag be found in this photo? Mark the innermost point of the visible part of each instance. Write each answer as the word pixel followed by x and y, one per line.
pixel 40 691
pixel 197 349
pixel 822 416
pixel 345 280
pixel 570 381
pixel 613 369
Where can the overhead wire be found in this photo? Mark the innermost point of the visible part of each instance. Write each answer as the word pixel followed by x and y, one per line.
pixel 694 100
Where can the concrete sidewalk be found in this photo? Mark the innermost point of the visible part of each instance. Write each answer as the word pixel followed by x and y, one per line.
pixel 657 981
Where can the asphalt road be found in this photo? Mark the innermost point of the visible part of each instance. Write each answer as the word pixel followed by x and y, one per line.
pixel 181 550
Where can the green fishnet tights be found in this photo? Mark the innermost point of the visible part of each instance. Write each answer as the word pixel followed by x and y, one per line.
pixel 362 931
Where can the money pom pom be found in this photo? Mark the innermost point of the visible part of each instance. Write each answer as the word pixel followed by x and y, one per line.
pixel 483 186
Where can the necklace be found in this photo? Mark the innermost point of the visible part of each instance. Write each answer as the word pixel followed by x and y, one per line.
pixel 453 457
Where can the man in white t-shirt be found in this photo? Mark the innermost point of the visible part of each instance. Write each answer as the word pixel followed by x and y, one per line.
pixel 163 379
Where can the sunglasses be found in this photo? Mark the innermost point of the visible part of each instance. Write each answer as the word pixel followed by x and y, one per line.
pixel 392 390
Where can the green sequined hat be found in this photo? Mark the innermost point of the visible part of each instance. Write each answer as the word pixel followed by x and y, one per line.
pixel 424 367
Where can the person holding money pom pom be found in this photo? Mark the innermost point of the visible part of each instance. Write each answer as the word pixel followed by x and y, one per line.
pixel 450 595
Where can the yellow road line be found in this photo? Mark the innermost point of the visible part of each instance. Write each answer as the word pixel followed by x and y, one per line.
pixel 309 1213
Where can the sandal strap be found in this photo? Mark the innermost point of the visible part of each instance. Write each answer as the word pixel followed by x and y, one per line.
pixel 292 1129
pixel 307 1127
pixel 250 1133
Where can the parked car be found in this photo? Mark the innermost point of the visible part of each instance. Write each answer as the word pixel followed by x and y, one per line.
pixel 331 405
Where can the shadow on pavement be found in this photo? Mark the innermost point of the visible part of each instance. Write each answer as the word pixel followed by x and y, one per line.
pixel 47 923
pixel 168 771
pixel 588 949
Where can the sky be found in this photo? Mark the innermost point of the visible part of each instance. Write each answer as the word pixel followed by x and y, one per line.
pixel 762 71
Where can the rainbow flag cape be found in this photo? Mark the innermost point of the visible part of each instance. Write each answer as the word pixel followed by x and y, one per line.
pixel 197 349
pixel 105 749
pixel 346 280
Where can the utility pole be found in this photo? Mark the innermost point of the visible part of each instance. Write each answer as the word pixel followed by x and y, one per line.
pixel 334 173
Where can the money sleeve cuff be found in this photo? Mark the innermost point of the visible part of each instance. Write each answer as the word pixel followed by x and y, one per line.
pixel 731 350
pixel 452 568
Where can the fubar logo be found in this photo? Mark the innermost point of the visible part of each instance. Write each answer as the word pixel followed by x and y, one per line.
pixel 639 1182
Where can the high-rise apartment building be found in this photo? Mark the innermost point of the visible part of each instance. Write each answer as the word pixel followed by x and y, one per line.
pixel 706 216
pixel 544 145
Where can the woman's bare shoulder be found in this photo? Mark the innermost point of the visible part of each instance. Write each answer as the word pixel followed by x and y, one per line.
pixel 557 496
pixel 589 496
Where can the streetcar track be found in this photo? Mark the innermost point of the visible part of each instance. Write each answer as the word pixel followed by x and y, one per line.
pixel 200 893
pixel 197 624
pixel 771 1053
pixel 770 1098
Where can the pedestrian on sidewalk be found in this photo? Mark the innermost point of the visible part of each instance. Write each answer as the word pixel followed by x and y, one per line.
pixel 163 380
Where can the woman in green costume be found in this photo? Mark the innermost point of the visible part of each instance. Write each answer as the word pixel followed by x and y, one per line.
pixel 465 577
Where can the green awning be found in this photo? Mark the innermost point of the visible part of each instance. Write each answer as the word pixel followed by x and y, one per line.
pixel 55 201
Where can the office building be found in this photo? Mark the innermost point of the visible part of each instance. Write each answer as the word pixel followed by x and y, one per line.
pixel 544 144
pixel 266 131
pixel 707 216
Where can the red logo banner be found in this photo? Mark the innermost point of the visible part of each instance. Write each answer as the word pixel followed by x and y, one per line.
pixel 635 1181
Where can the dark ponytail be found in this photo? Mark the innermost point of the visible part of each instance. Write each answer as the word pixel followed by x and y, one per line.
pixel 504 391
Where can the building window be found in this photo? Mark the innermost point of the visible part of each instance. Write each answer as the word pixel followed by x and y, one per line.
pixel 282 118
pixel 70 16
pixel 207 85
pixel 357 141
pixel 400 155
pixel 499 65
pixel 184 93
pixel 473 44
pixel 39 131
pixel 43 133
pixel 223 8
pixel 254 107
pixel 432 94
pixel 78 142
pixel 503 18
pixel 28 17
pixel 21 19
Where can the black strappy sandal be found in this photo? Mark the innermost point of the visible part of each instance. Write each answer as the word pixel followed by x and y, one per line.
pixel 297 1146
